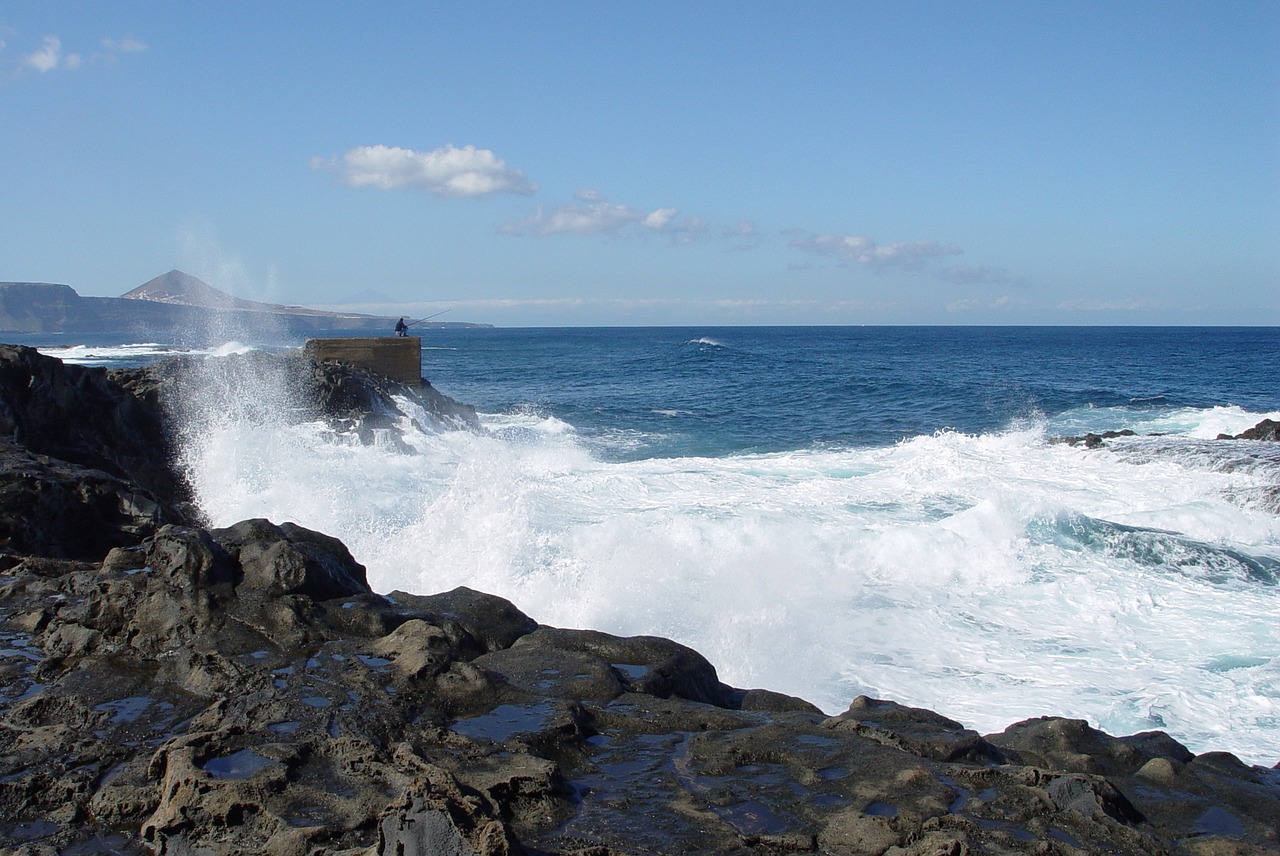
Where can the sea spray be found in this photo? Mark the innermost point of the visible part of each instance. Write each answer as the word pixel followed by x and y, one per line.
pixel 992 577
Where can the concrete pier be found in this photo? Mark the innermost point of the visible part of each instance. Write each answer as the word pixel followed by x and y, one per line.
pixel 396 357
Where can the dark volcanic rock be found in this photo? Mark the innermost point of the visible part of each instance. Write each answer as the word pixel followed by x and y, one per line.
pixel 1267 429
pixel 287 559
pixel 916 730
pixel 84 465
pixel 1092 440
pixel 81 416
pixel 241 691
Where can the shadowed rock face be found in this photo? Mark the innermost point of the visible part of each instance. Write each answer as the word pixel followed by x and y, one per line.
pixel 88 458
pixel 84 465
pixel 241 690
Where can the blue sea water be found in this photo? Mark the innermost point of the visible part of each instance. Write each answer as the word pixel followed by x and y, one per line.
pixel 833 511
pixel 724 391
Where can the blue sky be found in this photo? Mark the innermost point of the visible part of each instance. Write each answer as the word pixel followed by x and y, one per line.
pixel 656 163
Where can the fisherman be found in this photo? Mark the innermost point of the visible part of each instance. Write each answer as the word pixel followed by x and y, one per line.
pixel 402 329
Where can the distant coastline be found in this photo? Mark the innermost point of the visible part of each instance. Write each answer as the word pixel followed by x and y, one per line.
pixel 174 303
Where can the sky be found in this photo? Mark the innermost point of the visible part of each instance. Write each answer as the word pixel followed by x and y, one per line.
pixel 705 163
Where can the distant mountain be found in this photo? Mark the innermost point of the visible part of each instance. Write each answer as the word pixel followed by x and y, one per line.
pixel 183 289
pixel 175 304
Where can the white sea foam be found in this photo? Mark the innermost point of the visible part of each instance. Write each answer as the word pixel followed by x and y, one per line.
pixel 124 354
pixel 229 348
pixel 992 578
pixel 1187 422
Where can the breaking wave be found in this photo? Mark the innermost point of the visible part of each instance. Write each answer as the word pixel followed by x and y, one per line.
pixel 992 577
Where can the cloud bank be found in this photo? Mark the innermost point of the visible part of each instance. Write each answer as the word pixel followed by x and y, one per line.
pixel 448 171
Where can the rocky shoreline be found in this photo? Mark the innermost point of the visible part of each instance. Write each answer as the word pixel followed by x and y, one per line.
pixel 174 688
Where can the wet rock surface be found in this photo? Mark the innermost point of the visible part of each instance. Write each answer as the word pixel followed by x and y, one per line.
pixel 242 690
pixel 1267 429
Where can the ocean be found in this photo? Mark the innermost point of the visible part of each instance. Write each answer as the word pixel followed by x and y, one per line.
pixel 830 512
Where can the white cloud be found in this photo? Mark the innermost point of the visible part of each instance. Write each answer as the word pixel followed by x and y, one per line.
pixel 592 214
pixel 864 251
pixel 1004 301
pixel 1124 304
pixel 448 171
pixel 745 235
pixel 659 219
pixel 50 56
pixel 963 275
pixel 46 59
pixel 127 44
pixel 594 218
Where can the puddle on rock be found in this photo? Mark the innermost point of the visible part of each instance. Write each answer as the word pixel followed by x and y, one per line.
pixel 1010 829
pixel 1059 835
pixel 506 721
pixel 633 673
pixel 130 709
pixel 750 817
pixel 29 831
pixel 237 765
pixel 1218 821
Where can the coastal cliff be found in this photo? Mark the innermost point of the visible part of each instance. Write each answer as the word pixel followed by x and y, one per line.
pixel 175 688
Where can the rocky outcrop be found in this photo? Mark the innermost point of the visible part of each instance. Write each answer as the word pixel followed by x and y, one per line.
pixel 242 690
pixel 1267 429
pixel 84 464
pixel 349 398
pixel 1093 440
pixel 88 458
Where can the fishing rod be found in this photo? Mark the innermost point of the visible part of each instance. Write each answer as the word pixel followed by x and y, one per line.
pixel 428 318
